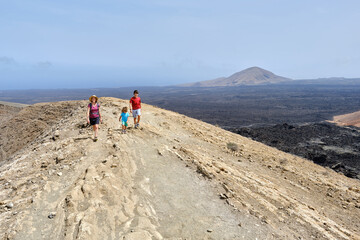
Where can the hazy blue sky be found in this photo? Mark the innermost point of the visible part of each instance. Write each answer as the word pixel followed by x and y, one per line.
pixel 67 43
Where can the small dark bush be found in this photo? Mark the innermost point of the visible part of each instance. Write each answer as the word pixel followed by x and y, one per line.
pixel 283 161
pixel 232 146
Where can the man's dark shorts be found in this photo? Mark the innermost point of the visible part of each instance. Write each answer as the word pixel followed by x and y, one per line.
pixel 94 121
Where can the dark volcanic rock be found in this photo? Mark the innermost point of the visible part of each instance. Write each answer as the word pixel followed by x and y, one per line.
pixel 324 143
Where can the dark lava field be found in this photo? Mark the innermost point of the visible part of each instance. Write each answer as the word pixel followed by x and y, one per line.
pixel 324 143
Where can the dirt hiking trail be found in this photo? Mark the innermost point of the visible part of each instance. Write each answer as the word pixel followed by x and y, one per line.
pixel 174 178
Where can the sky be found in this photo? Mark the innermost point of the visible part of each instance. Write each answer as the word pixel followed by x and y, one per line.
pixel 115 43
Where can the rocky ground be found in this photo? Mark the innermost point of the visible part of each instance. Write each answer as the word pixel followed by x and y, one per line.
pixel 324 143
pixel 8 110
pixel 21 126
pixel 175 178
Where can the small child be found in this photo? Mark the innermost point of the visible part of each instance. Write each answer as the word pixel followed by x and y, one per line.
pixel 124 118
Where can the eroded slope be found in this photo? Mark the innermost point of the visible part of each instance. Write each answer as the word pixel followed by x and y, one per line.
pixel 173 179
pixel 25 124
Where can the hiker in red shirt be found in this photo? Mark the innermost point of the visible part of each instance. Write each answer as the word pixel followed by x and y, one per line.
pixel 135 108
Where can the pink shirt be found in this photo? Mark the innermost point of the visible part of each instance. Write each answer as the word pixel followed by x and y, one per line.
pixel 94 110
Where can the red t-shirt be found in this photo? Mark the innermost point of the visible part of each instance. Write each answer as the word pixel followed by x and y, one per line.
pixel 136 103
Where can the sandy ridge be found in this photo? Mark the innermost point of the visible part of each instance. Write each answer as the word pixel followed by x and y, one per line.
pixel 350 119
pixel 274 194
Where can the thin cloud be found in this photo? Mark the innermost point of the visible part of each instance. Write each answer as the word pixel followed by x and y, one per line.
pixel 44 65
pixel 7 60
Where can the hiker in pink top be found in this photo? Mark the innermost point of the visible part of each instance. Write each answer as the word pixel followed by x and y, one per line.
pixel 93 115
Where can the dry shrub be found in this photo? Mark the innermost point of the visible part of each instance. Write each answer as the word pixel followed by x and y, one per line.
pixel 283 161
pixel 232 146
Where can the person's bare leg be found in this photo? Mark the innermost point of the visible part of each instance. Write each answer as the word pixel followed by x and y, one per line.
pixel 96 129
pixel 138 120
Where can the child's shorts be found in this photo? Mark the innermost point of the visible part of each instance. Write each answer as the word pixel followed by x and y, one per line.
pixel 136 112
pixel 124 123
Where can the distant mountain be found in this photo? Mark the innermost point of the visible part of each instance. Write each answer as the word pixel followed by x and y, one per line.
pixel 249 76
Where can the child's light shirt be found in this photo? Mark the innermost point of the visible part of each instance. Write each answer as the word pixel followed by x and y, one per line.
pixel 124 117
